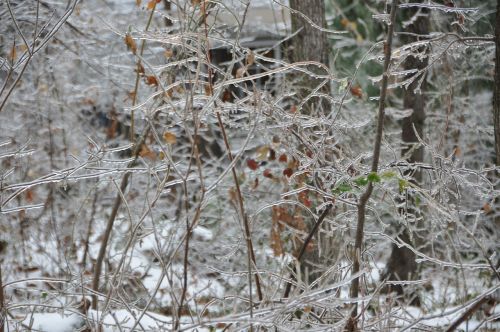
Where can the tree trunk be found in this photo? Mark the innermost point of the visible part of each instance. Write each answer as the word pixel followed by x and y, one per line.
pixel 401 264
pixel 310 44
pixel 496 113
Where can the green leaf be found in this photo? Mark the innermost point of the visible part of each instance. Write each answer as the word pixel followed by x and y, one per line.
pixel 373 177
pixel 342 188
pixel 403 184
pixel 361 181
pixel 44 295
pixel 388 175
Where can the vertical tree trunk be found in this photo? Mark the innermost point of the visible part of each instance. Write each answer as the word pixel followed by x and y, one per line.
pixel 401 264
pixel 310 44
pixel 496 112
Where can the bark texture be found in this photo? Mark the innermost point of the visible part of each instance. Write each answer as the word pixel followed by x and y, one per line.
pixel 496 112
pixel 496 94
pixel 311 43
pixel 401 264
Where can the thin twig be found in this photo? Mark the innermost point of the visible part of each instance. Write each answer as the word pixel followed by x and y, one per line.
pixel 243 213
pixel 465 316
pixel 310 236
pixel 31 53
pixel 138 75
pixel 363 200
pixel 112 217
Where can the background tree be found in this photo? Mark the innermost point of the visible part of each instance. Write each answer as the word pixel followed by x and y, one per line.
pixel 401 264
pixel 310 43
pixel 496 93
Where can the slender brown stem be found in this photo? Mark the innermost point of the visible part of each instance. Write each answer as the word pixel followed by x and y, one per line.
pixel 189 228
pixel 363 200
pixel 112 217
pixel 311 234
pixel 138 76
pixel 466 315
pixel 248 235
pixel 89 230
pixel 124 183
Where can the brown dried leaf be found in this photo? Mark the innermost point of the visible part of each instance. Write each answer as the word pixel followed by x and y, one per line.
pixel 272 155
pixel 151 80
pixel 293 164
pixel 169 137
pixel 152 4
pixel 276 244
pixel 130 95
pixel 169 53
pixel 130 42
pixel 169 93
pixel 112 128
pixel 252 164
pixel 146 152
pixel 487 208
pixel 208 90
pixel 356 91
pixel 262 152
pixel 250 58
pixel 304 198
pixel 288 172
pixel 267 173
pixel 226 96
pixel 13 53
pixel 233 196
pixel 299 221
pixel 282 214
pixel 30 195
